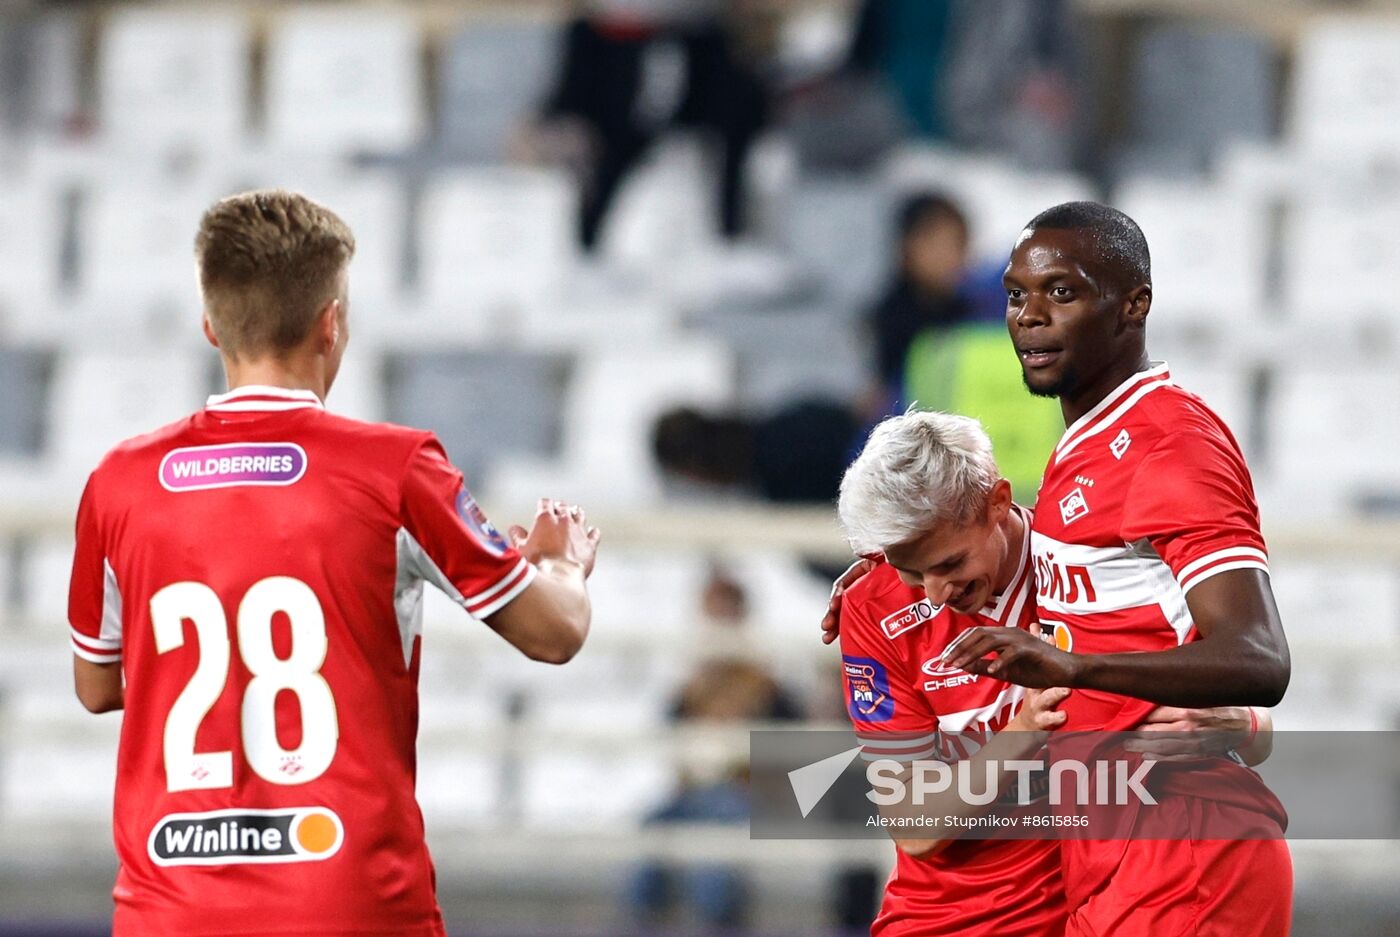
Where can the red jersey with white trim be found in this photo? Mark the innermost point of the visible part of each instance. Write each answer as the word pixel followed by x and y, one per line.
pixel 258 568
pixel 905 707
pixel 1145 497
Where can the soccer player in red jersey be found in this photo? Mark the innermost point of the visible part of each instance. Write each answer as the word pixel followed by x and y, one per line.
pixel 255 573
pixel 955 555
pixel 1146 539
pixel 926 494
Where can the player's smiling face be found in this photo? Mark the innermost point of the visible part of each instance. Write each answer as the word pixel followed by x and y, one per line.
pixel 959 563
pixel 1063 312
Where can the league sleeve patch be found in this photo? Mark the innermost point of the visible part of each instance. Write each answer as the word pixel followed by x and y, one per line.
pixel 867 690
pixel 491 539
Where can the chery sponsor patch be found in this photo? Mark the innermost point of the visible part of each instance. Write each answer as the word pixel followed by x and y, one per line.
pixel 196 468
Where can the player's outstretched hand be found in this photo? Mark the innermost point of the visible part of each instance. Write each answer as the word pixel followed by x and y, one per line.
pixel 560 532
pixel 1020 657
pixel 831 621
pixel 1038 712
pixel 1173 734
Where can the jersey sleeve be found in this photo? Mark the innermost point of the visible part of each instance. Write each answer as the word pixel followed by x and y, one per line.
pixel 94 598
pixel 891 720
pixel 1192 499
pixel 447 540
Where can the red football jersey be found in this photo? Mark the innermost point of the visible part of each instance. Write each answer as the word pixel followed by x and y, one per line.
pixel 258 570
pixel 1145 497
pixel 904 707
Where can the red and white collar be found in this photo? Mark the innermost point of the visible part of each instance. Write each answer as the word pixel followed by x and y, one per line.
pixel 1118 402
pixel 260 397
pixel 1006 608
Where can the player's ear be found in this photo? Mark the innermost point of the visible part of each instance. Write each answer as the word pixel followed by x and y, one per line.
pixel 328 324
pixel 209 331
pixel 1138 303
pixel 999 501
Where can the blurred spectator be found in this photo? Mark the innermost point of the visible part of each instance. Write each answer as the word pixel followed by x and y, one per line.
pixel 794 455
pixel 631 70
pixel 926 292
pixel 906 43
pixel 721 690
pixel 1009 84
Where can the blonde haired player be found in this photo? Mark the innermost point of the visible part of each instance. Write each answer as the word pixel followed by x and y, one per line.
pixel 255 573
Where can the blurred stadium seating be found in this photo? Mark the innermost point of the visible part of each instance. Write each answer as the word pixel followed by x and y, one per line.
pixel 475 315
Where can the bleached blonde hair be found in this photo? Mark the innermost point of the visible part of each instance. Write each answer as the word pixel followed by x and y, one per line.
pixel 915 472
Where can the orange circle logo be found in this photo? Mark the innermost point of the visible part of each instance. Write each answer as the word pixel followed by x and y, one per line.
pixel 317 833
pixel 1062 638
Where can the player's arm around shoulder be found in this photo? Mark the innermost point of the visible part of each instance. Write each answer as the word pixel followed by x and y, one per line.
pixel 550 619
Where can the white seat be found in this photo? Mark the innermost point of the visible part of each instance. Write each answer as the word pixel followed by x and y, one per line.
pixel 1334 244
pixel 665 210
pixel 1347 606
pixel 618 393
pixel 1323 428
pixel 1346 87
pixel 136 249
pixel 44 573
pixel 494 242
pixel 30 241
pixel 652 592
pixel 174 77
pixel 101 398
pixel 572 790
pixel 1208 248
pixel 341 80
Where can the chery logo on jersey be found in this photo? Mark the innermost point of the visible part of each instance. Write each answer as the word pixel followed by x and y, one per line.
pixel 483 530
pixel 867 689
pixel 197 468
pixel 909 617
pixel 238 837
pixel 945 677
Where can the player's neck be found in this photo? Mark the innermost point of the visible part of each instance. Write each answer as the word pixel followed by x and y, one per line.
pixel 289 373
pixel 1075 405
pixel 1013 528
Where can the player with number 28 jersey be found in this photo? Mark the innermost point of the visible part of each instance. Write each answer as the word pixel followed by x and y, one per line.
pixel 258 569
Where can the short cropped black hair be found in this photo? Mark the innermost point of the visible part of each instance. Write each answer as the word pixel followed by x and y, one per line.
pixel 1120 242
pixel 925 207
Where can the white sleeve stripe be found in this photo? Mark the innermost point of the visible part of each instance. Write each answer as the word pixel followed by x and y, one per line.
pixel 1222 568
pixel 101 644
pixel 508 596
pixel 1218 555
pixel 901 758
pixel 504 582
pixel 111 629
pixel 893 741
pixel 95 658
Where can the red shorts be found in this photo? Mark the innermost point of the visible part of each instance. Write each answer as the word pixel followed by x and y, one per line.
pixel 1165 888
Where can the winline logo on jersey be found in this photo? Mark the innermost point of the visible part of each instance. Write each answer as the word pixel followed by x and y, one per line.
pixel 232 837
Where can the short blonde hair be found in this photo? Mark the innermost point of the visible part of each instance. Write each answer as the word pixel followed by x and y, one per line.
pixel 916 471
pixel 269 261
